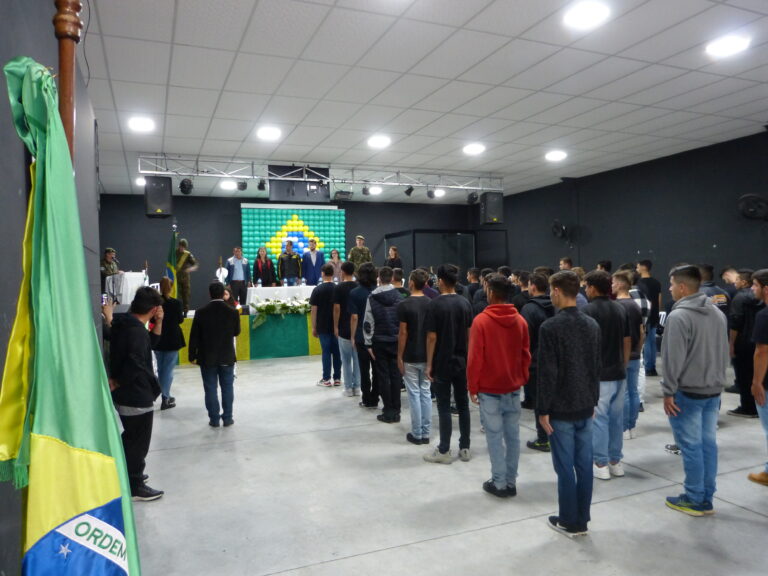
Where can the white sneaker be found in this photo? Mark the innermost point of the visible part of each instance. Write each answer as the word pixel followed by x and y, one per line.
pixel 324 383
pixel 627 435
pixel 356 391
pixel 616 469
pixel 464 455
pixel 437 457
pixel 632 433
pixel 601 473
pixel 348 392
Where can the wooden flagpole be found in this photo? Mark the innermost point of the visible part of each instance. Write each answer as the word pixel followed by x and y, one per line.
pixel 67 25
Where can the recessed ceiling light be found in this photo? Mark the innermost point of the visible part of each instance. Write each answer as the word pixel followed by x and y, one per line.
pixel 556 155
pixel 586 15
pixel 379 141
pixel 140 181
pixel 439 192
pixel 269 133
pixel 728 46
pixel 228 185
pixel 375 190
pixel 474 149
pixel 141 124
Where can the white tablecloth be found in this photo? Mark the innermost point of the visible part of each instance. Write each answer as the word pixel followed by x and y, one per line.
pixel 122 287
pixel 278 292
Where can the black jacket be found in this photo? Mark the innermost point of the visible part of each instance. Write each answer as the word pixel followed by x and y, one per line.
pixel 568 375
pixel 211 341
pixel 130 362
pixel 536 311
pixel 741 318
pixel 383 308
pixel 264 271
pixel 520 299
pixel 172 337
pixel 614 327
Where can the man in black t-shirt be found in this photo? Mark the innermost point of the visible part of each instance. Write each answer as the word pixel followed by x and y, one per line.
pixel 412 357
pixel 741 321
pixel 350 365
pixel 760 377
pixel 358 299
pixel 447 324
pixel 651 287
pixel 321 302
pixel 621 285
pixel 615 345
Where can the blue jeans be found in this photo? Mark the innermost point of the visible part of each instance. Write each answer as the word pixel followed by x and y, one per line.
pixel 350 366
pixel 500 414
pixel 419 398
pixel 166 362
pixel 608 436
pixel 695 430
pixel 291 281
pixel 329 345
pixel 763 412
pixel 649 348
pixel 632 397
pixel 213 377
pixel 571 444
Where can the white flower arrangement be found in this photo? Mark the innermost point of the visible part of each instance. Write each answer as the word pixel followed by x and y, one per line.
pixel 278 307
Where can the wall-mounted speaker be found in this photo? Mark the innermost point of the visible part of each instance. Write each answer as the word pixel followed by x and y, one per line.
pixel 158 196
pixel 492 208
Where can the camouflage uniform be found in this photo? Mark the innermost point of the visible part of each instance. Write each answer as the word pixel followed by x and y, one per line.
pixel 359 256
pixel 182 277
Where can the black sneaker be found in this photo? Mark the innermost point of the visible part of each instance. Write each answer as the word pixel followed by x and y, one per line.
pixel 364 405
pixel 425 440
pixel 642 407
pixel 491 488
pixel 144 477
pixel 651 372
pixel 454 410
pixel 167 404
pixel 388 419
pixel 144 493
pixel 511 490
pixel 541 446
pixel 413 440
pixel 741 413
pixel 213 424
pixel 570 531
pixel 672 449
pixel 228 423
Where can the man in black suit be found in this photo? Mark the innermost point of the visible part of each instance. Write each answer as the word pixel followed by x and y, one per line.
pixel 212 347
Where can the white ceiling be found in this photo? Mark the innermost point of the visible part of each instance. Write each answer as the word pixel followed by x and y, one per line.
pixel 432 74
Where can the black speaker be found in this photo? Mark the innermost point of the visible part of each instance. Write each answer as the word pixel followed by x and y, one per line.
pixel 158 201
pixel 492 208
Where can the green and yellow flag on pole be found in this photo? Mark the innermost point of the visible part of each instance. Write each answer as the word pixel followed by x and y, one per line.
pixel 170 262
pixel 59 437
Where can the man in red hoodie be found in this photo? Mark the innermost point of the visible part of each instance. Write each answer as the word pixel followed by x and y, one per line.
pixel 497 367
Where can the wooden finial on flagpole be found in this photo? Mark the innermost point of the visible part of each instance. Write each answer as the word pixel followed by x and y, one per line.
pixel 67 26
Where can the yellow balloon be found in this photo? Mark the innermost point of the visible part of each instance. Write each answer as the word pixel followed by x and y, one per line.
pixel 295 217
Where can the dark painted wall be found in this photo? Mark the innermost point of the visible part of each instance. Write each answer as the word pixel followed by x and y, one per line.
pixel 26 30
pixel 212 226
pixel 679 208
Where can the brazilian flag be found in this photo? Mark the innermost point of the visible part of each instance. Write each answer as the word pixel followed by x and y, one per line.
pixel 170 262
pixel 59 438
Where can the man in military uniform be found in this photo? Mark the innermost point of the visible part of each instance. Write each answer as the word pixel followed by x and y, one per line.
pixel 109 267
pixel 360 253
pixel 185 263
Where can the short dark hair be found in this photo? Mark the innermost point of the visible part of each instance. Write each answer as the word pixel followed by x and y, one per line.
pixel 145 299
pixel 624 276
pixel 474 272
pixel 760 276
pixel 419 278
pixel 707 272
pixel 449 274
pixel 565 281
pixel 327 269
pixel 546 270
pixel 539 281
pixel 566 260
pixel 289 242
pixel 397 275
pixel 505 271
pixel 348 267
pixel 485 271
pixel 626 266
pixel 499 285
pixel 745 275
pixel 645 264
pixel 600 280
pixel 366 275
pixel 687 274
pixel 215 290
pixel 606 265
pixel 727 268
pixel 385 274
pixel 524 277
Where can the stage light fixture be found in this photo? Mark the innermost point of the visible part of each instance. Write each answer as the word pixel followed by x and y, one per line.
pixel 431 194
pixel 439 192
pixel 366 192
pixel 376 190
pixel 242 185
pixel 472 198
pixel 409 191
pixel 262 185
pixel 140 181
pixel 228 185
pixel 186 186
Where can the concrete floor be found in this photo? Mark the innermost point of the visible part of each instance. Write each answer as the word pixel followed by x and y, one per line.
pixel 307 482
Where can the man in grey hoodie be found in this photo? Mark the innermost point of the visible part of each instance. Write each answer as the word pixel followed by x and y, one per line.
pixel 694 358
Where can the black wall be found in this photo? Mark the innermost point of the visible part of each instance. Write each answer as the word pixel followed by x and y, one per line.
pixel 675 209
pixel 26 30
pixel 213 228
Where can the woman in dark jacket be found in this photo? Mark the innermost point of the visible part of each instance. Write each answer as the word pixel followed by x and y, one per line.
pixel 171 341
pixel 264 270
pixel 394 258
